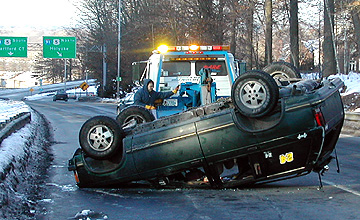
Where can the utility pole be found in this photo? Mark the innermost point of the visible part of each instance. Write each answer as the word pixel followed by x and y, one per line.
pixel 119 55
pixel 104 67
pixel 65 74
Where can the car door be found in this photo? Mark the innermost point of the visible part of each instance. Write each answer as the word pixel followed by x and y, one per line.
pixel 166 150
pixel 220 139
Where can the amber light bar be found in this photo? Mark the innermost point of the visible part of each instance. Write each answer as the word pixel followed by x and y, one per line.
pixel 199 48
pixel 192 58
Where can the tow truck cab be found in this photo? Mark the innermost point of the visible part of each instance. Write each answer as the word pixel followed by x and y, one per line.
pixel 205 73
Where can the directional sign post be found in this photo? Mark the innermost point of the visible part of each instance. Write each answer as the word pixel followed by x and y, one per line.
pixel 13 46
pixel 59 47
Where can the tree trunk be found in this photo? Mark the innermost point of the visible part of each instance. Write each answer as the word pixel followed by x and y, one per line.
pixel 328 44
pixel 355 15
pixel 233 37
pixel 294 33
pixel 250 31
pixel 268 32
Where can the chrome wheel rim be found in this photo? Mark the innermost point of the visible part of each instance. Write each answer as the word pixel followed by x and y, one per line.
pixel 100 138
pixel 253 94
pixel 133 120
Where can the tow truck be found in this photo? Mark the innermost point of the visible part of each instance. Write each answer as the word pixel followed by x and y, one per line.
pixel 205 73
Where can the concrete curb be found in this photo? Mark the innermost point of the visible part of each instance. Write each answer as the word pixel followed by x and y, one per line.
pixel 352 116
pixel 15 124
pixel 88 99
pixel 351 124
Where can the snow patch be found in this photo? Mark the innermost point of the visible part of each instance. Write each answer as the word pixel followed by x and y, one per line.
pixel 352 82
pixel 9 109
pixel 14 147
pixel 89 214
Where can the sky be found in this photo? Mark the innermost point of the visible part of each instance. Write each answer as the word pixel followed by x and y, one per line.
pixel 37 13
pixel 57 13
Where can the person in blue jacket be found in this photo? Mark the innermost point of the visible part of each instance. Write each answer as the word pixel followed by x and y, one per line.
pixel 147 97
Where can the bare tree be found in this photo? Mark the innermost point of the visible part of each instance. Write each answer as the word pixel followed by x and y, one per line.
pixel 268 31
pixel 294 33
pixel 355 16
pixel 328 44
pixel 50 69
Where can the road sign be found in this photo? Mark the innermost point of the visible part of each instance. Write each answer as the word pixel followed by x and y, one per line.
pixel 84 86
pixel 59 47
pixel 118 79
pixel 13 46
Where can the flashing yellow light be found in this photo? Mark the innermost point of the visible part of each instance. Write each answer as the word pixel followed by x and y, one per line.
pixel 192 58
pixel 163 48
pixel 194 47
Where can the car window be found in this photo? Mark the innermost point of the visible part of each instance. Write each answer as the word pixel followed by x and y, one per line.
pixel 173 69
pixel 217 67
pixel 60 92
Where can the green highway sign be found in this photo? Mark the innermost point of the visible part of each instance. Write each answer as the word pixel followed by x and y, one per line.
pixel 59 47
pixel 13 46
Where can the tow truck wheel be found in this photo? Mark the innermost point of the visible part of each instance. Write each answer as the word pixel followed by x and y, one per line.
pixel 255 93
pixel 282 72
pixel 100 137
pixel 131 116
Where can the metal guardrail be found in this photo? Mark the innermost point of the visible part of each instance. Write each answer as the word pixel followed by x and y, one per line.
pixel 48 88
pixel 14 124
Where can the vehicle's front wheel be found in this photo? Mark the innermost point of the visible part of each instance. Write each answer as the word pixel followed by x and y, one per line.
pixel 133 115
pixel 255 93
pixel 100 137
pixel 282 72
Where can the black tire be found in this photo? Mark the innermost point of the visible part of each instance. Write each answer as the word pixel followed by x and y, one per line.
pixel 255 93
pixel 100 137
pixel 281 71
pixel 133 115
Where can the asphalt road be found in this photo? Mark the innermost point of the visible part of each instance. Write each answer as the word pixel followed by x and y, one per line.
pixel 298 198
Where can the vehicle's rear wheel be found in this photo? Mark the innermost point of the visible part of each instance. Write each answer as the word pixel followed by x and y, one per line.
pixel 255 93
pixel 282 72
pixel 100 137
pixel 133 115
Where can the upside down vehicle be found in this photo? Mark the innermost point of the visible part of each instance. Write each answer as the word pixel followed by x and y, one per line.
pixel 232 127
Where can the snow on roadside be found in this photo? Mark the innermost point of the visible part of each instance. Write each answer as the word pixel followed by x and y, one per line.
pixel 24 157
pixel 351 93
pixel 39 96
pixel 8 151
pixel 9 109
pixel 352 82
pixel 92 90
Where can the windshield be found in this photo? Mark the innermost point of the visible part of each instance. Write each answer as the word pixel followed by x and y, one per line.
pixel 173 69
pixel 217 67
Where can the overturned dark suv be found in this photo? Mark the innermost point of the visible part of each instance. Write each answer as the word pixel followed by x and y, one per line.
pixel 262 133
